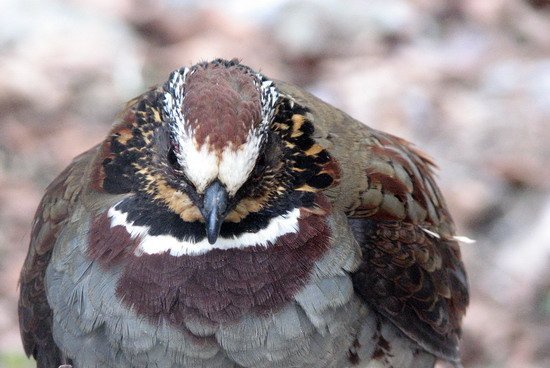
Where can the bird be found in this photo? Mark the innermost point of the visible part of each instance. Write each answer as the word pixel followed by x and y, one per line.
pixel 233 220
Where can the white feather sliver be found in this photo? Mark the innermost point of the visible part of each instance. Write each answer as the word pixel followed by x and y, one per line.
pixel 462 239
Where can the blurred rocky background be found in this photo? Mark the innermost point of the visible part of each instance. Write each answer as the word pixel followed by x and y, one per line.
pixel 467 80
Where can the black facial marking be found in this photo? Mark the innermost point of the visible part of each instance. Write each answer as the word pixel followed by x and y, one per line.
pixel 130 152
pixel 293 126
pixel 161 221
pixel 173 159
pixel 320 181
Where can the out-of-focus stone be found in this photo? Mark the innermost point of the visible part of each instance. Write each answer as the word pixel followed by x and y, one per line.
pixel 329 27
pixel 55 49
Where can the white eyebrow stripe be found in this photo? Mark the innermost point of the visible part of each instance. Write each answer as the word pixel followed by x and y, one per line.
pixel 236 164
pixel 201 166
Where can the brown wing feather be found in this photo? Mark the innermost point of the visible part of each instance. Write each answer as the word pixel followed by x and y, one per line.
pixel 412 276
pixel 400 185
pixel 35 316
pixel 418 282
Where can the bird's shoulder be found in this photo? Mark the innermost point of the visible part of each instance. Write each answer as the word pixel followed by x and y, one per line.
pixel 53 213
pixel 411 270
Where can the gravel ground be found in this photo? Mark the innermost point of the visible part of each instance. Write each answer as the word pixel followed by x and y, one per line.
pixel 467 81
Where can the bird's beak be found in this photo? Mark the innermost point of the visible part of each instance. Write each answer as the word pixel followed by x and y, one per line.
pixel 214 209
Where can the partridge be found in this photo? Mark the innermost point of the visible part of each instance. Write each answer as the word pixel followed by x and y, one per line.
pixel 230 220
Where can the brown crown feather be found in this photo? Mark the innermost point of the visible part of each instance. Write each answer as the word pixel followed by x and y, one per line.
pixel 221 103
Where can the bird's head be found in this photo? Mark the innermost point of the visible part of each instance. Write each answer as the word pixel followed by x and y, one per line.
pixel 218 144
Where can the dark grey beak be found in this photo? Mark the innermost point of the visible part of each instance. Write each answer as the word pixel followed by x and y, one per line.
pixel 213 209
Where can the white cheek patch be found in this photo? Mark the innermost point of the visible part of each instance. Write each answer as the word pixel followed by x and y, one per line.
pixel 158 244
pixel 236 165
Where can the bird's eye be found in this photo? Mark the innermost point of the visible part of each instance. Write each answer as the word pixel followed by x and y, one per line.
pixel 259 168
pixel 173 158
